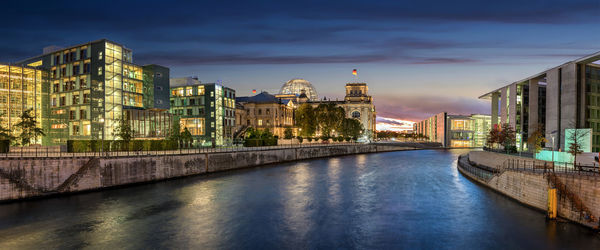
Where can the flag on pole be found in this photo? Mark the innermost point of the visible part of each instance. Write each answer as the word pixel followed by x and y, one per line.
pixel 254 91
pixel 354 72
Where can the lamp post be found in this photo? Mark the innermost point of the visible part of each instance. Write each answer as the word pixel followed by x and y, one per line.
pixel 102 144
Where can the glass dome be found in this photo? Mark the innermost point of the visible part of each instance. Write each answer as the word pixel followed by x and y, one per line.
pixel 296 86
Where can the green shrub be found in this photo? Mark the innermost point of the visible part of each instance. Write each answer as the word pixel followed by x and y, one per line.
pixel 300 139
pixel 309 139
pixel 288 133
pixel 334 139
pixel 324 138
pixel 340 138
pixel 4 146
pixel 136 145
pixel 348 138
pixel 253 143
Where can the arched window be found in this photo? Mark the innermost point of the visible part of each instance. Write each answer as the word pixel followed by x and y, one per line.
pixel 355 114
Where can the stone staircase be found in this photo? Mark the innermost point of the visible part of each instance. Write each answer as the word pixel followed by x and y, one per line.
pixel 584 211
pixel 74 178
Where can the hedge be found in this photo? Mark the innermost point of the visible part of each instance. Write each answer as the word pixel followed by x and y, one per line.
pixel 4 146
pixel 78 146
pixel 260 142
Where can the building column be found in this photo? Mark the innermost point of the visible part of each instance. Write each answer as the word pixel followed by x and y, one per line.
pixel 503 106
pixel 495 97
pixel 533 114
pixel 512 106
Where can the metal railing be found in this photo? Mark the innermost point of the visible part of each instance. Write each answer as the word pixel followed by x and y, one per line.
pixel 480 173
pixel 538 166
pixel 45 152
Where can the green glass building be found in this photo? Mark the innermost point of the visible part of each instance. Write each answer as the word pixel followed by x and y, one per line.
pixel 92 86
pixel 207 110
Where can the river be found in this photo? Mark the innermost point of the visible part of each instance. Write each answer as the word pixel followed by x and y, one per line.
pixel 399 200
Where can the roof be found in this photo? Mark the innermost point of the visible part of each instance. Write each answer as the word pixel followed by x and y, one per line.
pixel 585 59
pixel 73 46
pixel 263 97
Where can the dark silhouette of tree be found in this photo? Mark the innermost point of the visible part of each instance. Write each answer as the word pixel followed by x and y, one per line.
pixel 306 120
pixel 28 127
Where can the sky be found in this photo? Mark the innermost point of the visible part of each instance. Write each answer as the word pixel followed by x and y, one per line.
pixel 418 58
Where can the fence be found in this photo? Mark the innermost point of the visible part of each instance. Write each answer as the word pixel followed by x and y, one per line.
pixel 537 166
pixel 45 152
pixel 483 174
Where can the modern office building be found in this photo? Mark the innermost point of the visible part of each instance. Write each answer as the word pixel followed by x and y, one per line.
pixel 564 97
pixel 207 110
pixel 456 131
pixel 21 89
pixel 92 86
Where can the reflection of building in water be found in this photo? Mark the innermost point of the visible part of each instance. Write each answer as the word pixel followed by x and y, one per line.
pixel 456 131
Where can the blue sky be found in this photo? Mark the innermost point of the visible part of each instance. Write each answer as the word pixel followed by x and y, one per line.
pixel 419 58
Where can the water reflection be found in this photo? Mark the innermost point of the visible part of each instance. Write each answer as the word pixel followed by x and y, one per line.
pixel 413 200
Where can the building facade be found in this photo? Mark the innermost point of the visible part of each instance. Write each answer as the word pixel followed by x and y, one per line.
pixel 21 89
pixel 564 97
pixel 266 111
pixel 456 131
pixel 91 87
pixel 207 110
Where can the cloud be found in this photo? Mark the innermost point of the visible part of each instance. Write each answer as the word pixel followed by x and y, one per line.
pixel 439 60
pixel 418 107
pixel 195 58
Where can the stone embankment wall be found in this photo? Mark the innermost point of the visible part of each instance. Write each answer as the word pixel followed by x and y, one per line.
pixel 531 188
pixel 34 177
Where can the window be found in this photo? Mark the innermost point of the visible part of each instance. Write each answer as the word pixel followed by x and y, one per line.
pixel 82 83
pixel 260 111
pixel 72 115
pixel 55 87
pixel 76 70
pixel 268 111
pixel 86 67
pixel 63 101
pixel 355 114
pixel 99 71
pixel 76 99
pixel 82 114
pixel 82 53
pixel 63 71
pixel 100 55
pixel 259 122
pixel 53 102
pixel 76 129
pixel 86 98
pixel 189 111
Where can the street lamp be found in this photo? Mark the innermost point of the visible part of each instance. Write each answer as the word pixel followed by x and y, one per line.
pixel 102 145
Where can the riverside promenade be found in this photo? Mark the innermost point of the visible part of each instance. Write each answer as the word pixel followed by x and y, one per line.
pixel 527 181
pixel 35 174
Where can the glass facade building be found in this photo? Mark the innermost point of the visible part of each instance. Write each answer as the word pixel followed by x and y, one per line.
pixel 456 131
pixel 21 89
pixel 91 86
pixel 206 110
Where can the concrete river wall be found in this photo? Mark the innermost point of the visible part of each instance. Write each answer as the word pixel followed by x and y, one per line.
pixel 34 177
pixel 530 186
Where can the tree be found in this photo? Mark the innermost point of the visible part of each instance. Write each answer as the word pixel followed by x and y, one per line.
pixel 536 139
pixel 288 133
pixel 576 139
pixel 350 127
pixel 175 131
pixel 329 117
pixel 29 128
pixel 5 133
pixel 493 137
pixel 186 136
pixel 124 131
pixel 507 137
pixel 305 120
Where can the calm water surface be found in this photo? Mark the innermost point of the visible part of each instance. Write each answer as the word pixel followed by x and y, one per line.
pixel 396 200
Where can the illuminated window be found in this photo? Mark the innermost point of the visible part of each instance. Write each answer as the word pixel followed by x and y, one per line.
pixel 260 122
